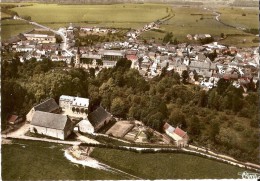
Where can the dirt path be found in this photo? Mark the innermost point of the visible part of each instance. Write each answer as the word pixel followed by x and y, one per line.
pixel 85 139
pixel 91 162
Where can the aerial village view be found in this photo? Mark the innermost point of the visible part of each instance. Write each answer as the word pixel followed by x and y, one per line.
pixel 129 90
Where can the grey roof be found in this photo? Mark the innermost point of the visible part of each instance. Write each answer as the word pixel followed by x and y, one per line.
pixel 98 116
pixel 47 106
pixel 49 120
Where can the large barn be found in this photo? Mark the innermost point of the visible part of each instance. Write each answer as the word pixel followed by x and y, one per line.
pixel 99 118
pixel 47 106
pixel 50 124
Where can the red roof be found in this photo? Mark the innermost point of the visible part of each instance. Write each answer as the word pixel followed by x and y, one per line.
pixel 12 118
pixel 131 57
pixel 166 126
pixel 179 132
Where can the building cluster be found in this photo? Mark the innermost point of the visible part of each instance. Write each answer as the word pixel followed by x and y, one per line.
pixel 205 64
pixel 58 121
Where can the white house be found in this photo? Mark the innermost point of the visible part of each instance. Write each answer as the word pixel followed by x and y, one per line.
pixel 70 102
pixel 179 136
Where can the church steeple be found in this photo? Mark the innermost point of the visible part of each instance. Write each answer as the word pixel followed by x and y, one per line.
pixel 77 60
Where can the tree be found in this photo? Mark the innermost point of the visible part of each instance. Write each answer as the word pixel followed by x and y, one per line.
pixel 82 110
pixel 118 107
pixel 222 85
pixel 177 118
pixel 222 35
pixel 194 126
pixel 73 109
pixel 168 37
pixel 196 76
pixel 185 76
pixel 214 130
pixel 77 109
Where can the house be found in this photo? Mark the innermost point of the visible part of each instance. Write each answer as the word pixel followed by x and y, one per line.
pixel 179 136
pixel 112 55
pixel 85 126
pixel 50 124
pixel 49 106
pixel 14 119
pixel 70 103
pixel 41 36
pixel 99 118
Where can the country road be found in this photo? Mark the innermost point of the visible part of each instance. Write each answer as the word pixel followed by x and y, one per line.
pixel 64 45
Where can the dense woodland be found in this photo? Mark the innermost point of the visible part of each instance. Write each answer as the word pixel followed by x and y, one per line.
pixel 221 119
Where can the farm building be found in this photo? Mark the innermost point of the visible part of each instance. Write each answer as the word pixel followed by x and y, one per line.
pixel 14 119
pixel 41 36
pixel 47 106
pixel 178 135
pixel 50 124
pixel 85 126
pixel 99 118
pixel 73 103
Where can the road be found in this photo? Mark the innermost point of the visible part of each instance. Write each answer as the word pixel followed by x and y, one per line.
pixel 64 46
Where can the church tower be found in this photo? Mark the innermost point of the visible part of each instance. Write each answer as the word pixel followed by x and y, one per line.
pixel 77 59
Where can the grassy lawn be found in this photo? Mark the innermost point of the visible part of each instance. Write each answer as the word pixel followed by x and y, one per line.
pixel 250 20
pixel 118 13
pixel 27 160
pixel 165 165
pixel 14 27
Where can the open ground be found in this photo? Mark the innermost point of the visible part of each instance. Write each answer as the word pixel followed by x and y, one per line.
pixel 185 20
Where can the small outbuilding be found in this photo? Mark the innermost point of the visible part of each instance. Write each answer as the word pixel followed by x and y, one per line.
pixel 85 126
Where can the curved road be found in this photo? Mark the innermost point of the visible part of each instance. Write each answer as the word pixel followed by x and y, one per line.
pixel 64 46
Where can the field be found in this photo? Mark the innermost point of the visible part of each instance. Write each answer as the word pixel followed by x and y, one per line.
pixel 192 20
pixel 186 20
pixel 13 27
pixel 26 160
pixel 250 20
pixel 165 165
pixel 55 16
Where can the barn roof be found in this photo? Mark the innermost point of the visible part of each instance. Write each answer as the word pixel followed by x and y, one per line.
pixel 98 116
pixel 49 120
pixel 47 106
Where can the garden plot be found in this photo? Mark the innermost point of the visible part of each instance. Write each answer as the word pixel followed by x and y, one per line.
pixel 120 129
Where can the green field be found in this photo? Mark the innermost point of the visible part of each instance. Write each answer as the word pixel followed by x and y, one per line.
pixel 27 160
pixel 165 165
pixel 250 20
pixel 55 16
pixel 185 20
pixel 14 27
pixel 192 20
pixel 107 14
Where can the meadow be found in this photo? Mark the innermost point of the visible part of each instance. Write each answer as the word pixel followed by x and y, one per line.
pixel 185 20
pixel 193 20
pixel 107 14
pixel 249 20
pixel 165 165
pixel 30 160
pixel 12 27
